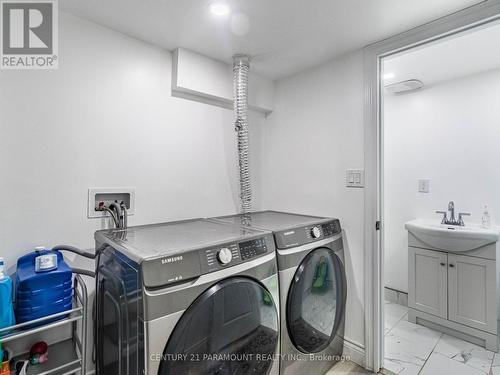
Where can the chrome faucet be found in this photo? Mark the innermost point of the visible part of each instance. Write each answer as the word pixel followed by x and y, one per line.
pixel 452 220
pixel 451 210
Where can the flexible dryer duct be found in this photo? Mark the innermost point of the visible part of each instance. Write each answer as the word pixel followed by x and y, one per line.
pixel 241 66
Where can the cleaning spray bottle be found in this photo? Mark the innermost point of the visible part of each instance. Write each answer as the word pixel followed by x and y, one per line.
pixel 6 308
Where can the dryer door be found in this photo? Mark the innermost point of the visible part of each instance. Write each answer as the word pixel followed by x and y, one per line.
pixel 316 301
pixel 232 328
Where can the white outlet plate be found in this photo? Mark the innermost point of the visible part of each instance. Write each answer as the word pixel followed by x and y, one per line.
pixel 92 213
pixel 424 185
pixel 355 178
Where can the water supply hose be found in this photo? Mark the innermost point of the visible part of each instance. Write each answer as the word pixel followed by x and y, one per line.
pixel 113 216
pixel 241 66
pixel 117 208
pixel 125 215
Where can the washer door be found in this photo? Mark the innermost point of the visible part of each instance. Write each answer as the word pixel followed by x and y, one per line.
pixel 316 301
pixel 232 328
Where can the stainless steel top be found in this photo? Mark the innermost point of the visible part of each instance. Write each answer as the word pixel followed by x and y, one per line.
pixel 152 241
pixel 272 220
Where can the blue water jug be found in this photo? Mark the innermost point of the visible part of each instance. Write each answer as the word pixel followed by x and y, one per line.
pixel 43 285
pixel 6 308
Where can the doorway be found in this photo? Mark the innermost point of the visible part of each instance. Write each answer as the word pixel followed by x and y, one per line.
pixel 440 135
pixel 467 22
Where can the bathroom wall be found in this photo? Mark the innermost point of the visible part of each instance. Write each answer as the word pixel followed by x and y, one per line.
pixel 448 133
pixel 106 118
pixel 314 134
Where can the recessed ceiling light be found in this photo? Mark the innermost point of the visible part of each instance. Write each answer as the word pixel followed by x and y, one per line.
pixel 388 76
pixel 219 9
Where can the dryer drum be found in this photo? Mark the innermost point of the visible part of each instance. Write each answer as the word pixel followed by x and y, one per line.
pixel 316 301
pixel 232 328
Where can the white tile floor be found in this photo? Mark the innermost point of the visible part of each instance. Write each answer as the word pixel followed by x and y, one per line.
pixel 412 349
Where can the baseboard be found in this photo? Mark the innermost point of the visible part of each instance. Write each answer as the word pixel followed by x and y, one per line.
pixel 396 296
pixel 463 332
pixel 354 352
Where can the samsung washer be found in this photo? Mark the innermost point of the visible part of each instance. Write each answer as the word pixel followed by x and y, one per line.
pixel 186 298
pixel 313 288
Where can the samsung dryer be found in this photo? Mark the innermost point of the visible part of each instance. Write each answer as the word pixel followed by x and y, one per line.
pixel 313 290
pixel 192 297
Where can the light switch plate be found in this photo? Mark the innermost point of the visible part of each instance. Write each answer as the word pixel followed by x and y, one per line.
pixel 355 178
pixel 424 185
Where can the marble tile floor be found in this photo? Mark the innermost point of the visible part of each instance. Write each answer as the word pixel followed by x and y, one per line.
pixel 348 368
pixel 412 349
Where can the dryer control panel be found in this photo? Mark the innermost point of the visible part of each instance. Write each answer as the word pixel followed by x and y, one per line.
pixel 306 234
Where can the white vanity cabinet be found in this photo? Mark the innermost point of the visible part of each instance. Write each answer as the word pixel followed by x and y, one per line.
pixel 472 292
pixel 455 293
pixel 428 281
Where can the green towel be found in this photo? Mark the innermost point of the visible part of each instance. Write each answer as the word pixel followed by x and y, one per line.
pixel 320 280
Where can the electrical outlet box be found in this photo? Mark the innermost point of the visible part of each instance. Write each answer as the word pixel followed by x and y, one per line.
pixel 108 195
pixel 355 178
pixel 424 185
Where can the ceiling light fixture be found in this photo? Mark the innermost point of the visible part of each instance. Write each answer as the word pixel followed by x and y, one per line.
pixel 219 9
pixel 388 76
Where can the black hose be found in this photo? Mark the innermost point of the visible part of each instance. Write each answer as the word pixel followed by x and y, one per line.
pixel 75 250
pixel 115 206
pixel 113 216
pixel 81 271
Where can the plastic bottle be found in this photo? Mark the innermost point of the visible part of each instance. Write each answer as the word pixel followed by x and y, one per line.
pixel 6 308
pixel 486 219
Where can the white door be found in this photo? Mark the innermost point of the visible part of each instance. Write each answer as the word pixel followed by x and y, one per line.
pixel 472 292
pixel 427 284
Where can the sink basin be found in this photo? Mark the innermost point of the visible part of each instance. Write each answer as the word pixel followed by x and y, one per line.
pixel 450 237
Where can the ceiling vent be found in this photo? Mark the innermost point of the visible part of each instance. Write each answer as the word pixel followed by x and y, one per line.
pixel 404 86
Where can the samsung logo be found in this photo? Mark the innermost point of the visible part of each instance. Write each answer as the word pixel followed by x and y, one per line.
pixel 289 233
pixel 172 259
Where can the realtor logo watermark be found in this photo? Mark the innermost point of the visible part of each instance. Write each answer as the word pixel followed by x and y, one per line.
pixel 29 34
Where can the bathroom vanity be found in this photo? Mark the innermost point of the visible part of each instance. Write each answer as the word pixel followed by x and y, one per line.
pixel 452 284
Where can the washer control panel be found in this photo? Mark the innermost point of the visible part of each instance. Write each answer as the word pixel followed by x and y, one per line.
pixel 224 256
pixel 217 257
pixel 228 255
pixel 252 249
pixel 307 234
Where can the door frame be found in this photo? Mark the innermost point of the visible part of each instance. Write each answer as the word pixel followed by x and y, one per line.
pixel 474 16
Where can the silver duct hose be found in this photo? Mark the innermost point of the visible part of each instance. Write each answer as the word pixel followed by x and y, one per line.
pixel 241 66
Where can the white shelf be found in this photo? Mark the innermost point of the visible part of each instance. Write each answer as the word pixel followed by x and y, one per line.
pixel 39 325
pixel 63 359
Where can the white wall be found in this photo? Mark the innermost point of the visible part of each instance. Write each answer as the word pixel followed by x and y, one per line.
pixel 448 133
pixel 59 132
pixel 314 134
pixel 106 118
